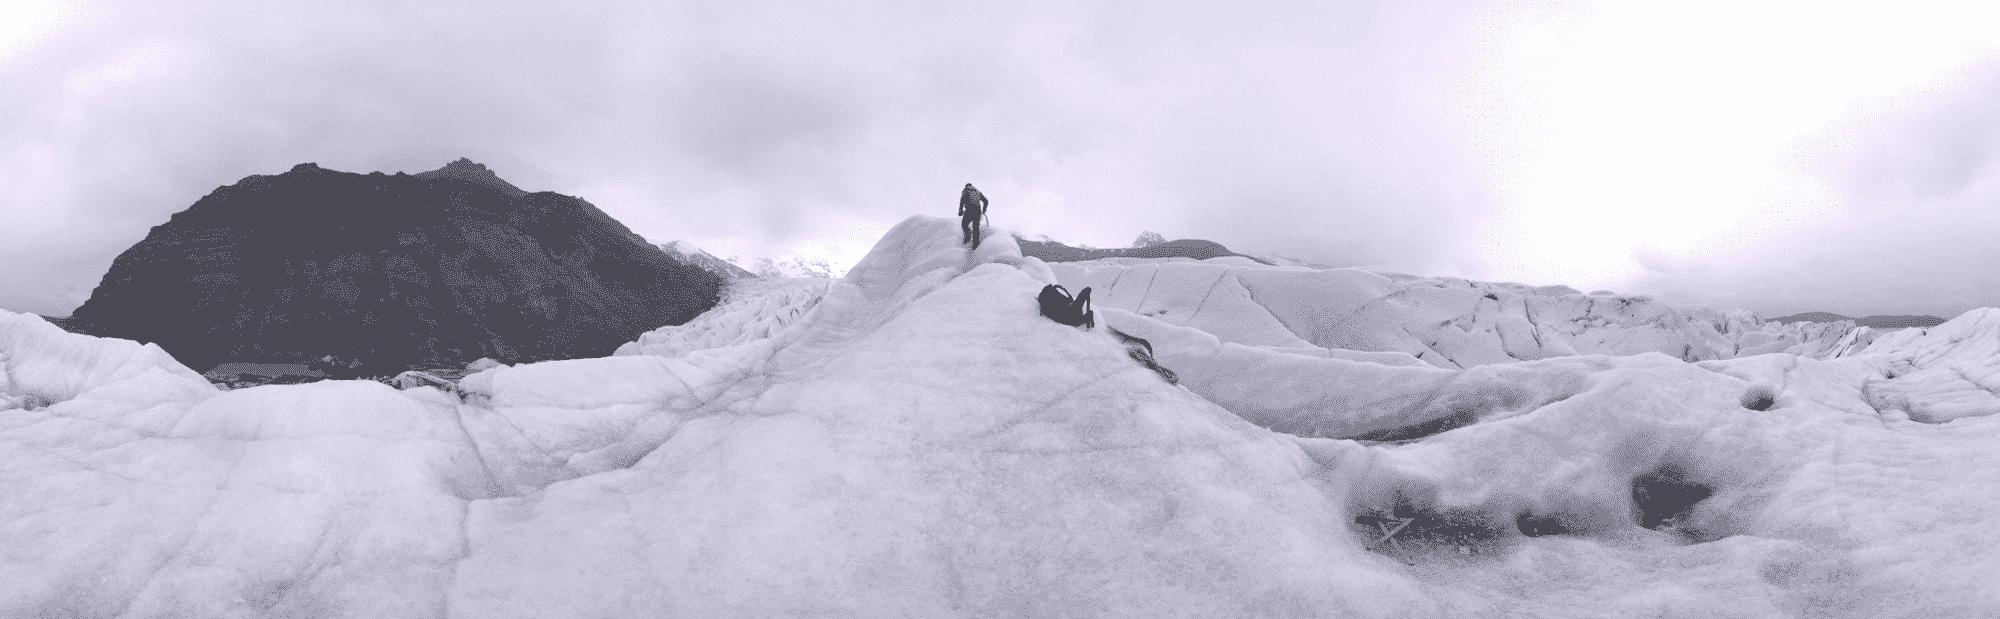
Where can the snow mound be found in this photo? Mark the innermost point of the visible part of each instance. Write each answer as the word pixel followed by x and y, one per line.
pixel 916 440
pixel 42 361
pixel 1937 374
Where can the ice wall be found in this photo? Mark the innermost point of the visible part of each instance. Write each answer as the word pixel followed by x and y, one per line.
pixel 917 441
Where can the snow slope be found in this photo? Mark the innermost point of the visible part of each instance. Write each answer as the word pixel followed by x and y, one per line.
pixel 914 440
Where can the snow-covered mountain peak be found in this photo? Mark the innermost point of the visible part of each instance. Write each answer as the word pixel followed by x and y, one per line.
pixel 688 253
pixel 784 266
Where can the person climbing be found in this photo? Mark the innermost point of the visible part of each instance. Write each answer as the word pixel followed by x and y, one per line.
pixel 971 206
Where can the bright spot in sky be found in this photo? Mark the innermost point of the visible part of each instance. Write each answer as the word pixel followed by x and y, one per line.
pixel 1627 129
pixel 24 23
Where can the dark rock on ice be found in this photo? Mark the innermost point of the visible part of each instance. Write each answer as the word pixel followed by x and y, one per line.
pixel 240 375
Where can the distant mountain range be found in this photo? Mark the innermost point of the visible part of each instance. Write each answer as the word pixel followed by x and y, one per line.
pixel 783 266
pixel 366 274
pixel 1056 251
pixel 688 253
pixel 1880 321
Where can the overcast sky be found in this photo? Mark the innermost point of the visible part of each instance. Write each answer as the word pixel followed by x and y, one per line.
pixel 1776 157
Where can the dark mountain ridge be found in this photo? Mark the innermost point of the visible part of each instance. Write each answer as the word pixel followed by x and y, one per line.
pixel 1879 321
pixel 373 273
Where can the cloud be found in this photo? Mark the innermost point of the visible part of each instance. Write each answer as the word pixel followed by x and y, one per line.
pixel 1924 145
pixel 1657 260
pixel 1345 133
pixel 758 129
pixel 755 125
pixel 1891 213
pixel 135 112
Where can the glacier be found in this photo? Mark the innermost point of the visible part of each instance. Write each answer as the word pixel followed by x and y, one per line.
pixel 915 440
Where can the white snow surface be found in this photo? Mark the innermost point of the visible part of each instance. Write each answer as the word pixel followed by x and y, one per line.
pixel 1445 322
pixel 915 440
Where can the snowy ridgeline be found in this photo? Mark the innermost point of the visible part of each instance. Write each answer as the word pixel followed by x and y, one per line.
pixel 1445 322
pixel 1441 321
pixel 914 440
pixel 783 266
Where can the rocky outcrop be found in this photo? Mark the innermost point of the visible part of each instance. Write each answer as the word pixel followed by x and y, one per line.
pixel 240 375
pixel 370 274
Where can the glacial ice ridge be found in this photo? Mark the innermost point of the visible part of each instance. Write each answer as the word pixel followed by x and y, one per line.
pixel 915 440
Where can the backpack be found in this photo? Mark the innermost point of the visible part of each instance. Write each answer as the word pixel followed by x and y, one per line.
pixel 1058 306
pixel 972 201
